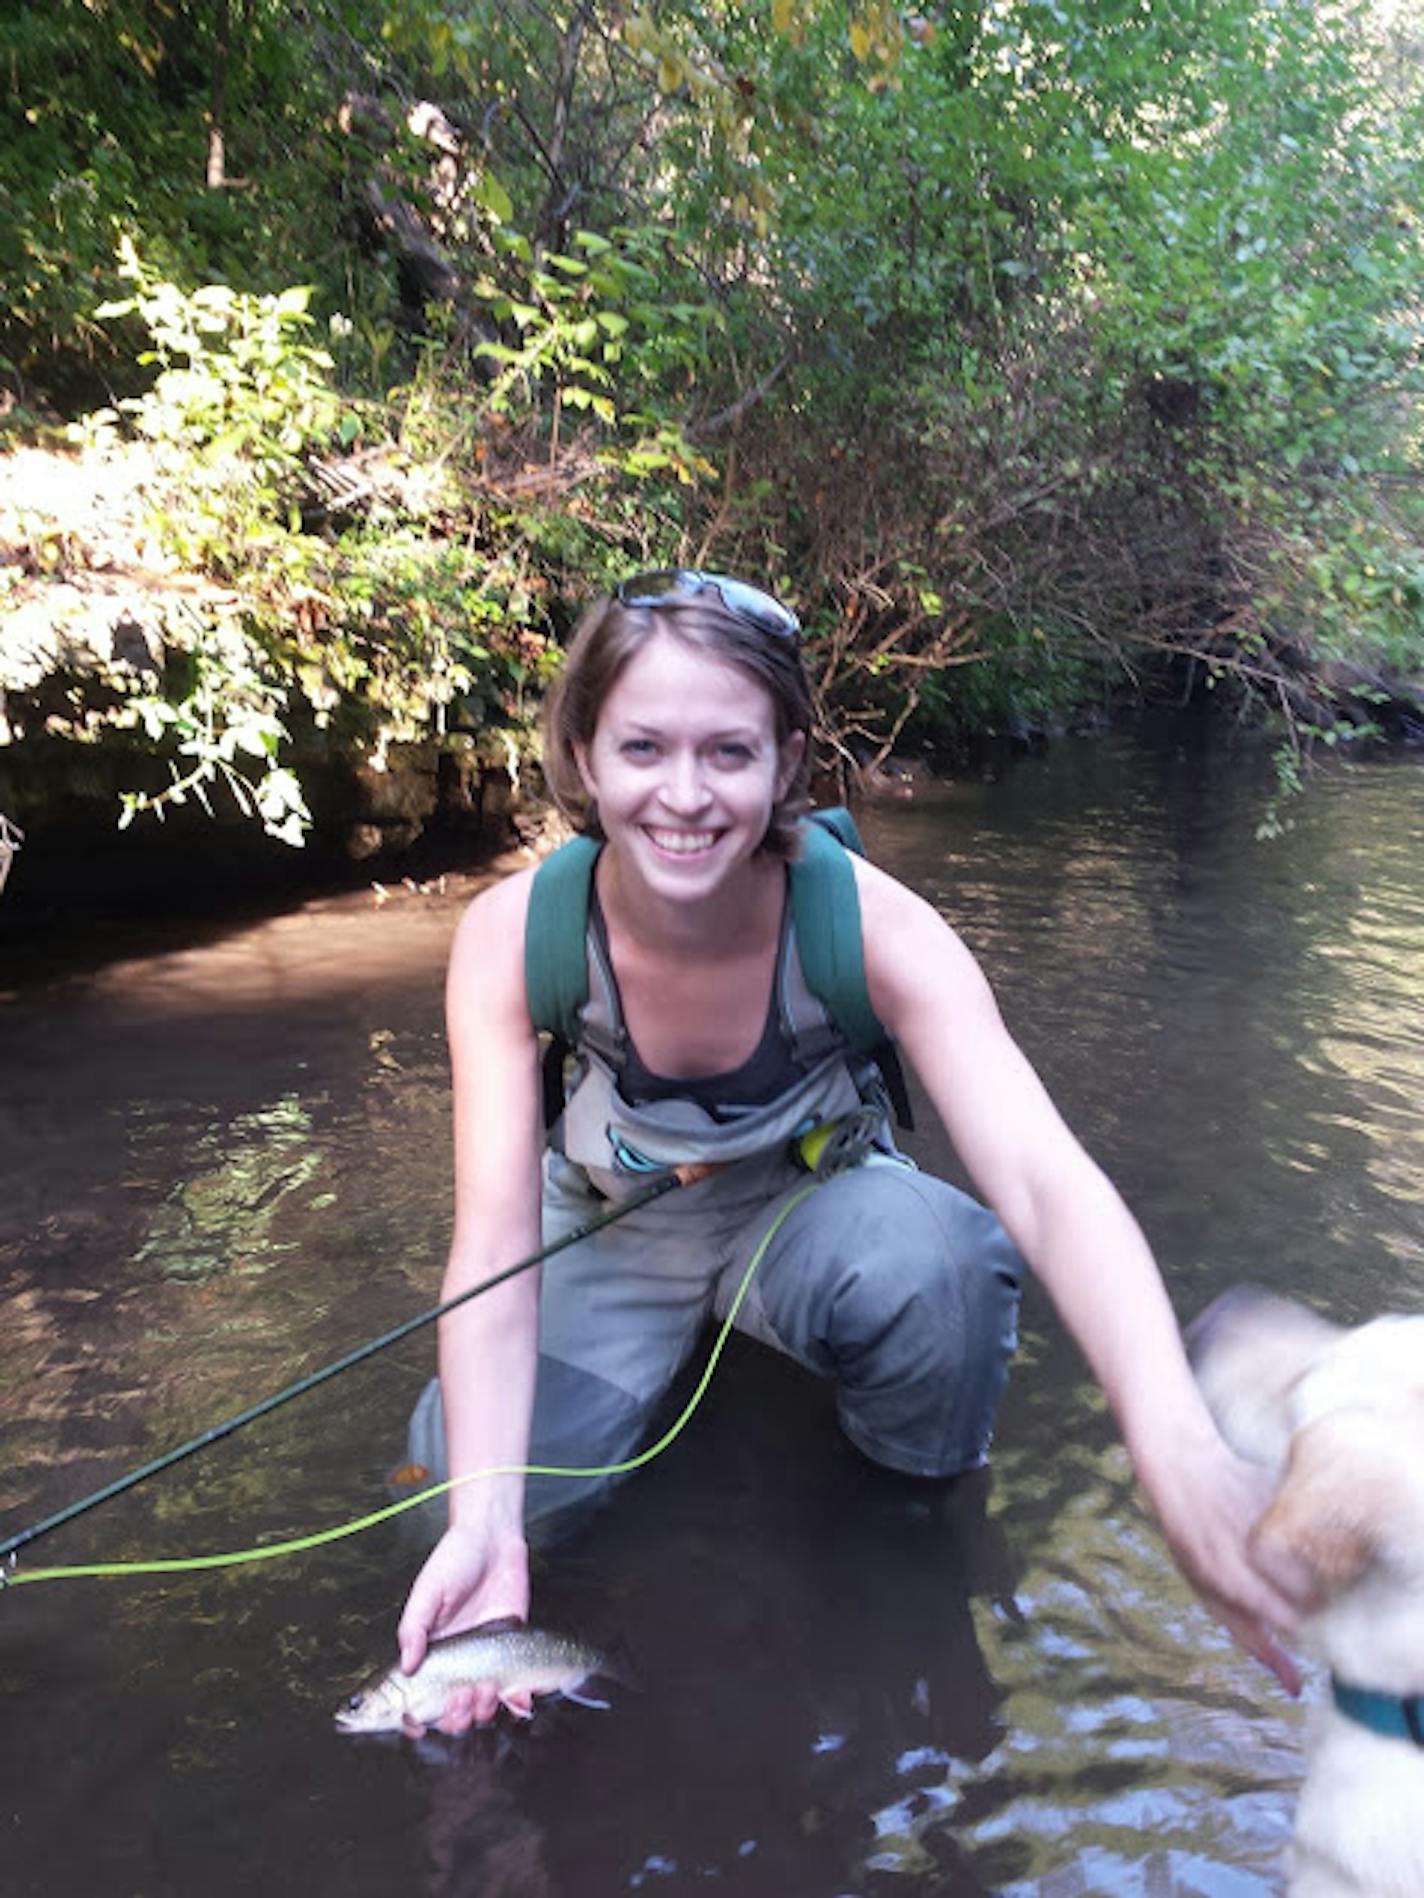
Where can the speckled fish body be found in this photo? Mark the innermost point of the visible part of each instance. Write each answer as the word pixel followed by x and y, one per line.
pixel 518 1660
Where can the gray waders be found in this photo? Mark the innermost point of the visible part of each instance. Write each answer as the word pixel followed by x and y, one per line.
pixel 894 1284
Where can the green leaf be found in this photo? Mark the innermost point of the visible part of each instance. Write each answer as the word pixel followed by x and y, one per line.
pixel 491 195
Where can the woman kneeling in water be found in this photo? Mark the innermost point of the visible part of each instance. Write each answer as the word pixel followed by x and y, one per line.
pixel 677 736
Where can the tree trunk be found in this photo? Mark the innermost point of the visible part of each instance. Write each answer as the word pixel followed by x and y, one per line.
pixel 217 107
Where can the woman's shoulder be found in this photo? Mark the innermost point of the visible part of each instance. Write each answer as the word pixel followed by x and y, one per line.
pixel 500 903
pixel 488 947
pixel 913 957
pixel 887 904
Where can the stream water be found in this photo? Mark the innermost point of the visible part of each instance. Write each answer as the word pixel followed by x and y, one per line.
pixel 225 1161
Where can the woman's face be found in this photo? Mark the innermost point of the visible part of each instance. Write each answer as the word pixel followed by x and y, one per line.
pixel 685 767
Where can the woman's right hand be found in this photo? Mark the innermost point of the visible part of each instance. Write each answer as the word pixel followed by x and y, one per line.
pixel 472 1576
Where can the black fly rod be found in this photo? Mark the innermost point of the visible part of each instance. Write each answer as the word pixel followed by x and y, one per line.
pixel 665 1183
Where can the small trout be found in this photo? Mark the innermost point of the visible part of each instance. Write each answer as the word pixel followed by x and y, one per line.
pixel 516 1658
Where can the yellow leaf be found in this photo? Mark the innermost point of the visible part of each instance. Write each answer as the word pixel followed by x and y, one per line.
pixel 860 40
pixel 670 74
pixel 783 15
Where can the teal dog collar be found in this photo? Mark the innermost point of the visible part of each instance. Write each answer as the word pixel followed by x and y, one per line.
pixel 1398 1717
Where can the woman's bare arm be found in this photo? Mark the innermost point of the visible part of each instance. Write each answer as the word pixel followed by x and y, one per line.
pixel 489 1347
pixel 1073 1228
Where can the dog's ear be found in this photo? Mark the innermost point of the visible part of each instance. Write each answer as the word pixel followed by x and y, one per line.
pixel 1249 1349
pixel 1326 1512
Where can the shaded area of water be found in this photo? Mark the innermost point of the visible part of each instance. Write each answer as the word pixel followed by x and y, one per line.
pixel 224 1165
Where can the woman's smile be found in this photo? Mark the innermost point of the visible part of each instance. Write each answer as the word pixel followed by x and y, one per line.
pixel 681 843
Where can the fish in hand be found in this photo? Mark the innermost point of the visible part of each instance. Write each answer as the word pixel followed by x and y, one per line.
pixel 519 1660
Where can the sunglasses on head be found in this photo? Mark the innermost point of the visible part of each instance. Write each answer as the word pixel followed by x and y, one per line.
pixel 684 583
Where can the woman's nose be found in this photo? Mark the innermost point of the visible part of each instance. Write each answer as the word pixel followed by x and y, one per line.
pixel 685 785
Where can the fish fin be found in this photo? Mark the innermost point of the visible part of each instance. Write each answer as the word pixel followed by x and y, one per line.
pixel 520 1705
pixel 502 1624
pixel 585 1700
pixel 412 1727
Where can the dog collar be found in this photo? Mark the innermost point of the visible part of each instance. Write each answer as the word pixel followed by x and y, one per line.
pixel 1398 1717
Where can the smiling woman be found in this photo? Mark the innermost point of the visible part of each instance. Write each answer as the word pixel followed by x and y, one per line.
pixel 677 742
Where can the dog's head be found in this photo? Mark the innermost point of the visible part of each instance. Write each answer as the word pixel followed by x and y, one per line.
pixel 1340 1414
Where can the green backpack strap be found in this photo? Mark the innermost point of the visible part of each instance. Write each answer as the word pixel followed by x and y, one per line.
pixel 838 821
pixel 825 913
pixel 556 938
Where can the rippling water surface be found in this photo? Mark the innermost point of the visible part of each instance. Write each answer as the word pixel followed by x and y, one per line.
pixel 225 1164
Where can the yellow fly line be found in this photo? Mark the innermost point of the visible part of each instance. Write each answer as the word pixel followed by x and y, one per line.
pixel 268 1552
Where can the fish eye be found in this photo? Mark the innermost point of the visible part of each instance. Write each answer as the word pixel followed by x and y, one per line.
pixel 354 1704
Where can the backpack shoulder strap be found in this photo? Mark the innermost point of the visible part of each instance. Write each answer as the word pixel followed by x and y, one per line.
pixel 825 914
pixel 836 819
pixel 556 938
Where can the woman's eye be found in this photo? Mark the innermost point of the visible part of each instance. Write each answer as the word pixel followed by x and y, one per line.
pixel 638 748
pixel 730 753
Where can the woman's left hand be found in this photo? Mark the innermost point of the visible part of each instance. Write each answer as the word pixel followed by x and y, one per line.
pixel 1208 1500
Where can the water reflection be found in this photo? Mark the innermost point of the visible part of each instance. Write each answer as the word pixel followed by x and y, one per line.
pixel 226 1218
pixel 226 1164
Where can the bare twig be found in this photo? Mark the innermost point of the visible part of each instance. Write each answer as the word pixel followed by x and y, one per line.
pixel 733 413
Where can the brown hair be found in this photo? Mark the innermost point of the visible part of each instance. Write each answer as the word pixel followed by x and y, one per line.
pixel 611 633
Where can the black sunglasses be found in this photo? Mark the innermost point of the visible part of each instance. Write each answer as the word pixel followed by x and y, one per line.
pixel 683 583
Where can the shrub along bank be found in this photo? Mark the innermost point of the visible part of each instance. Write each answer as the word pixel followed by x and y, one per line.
pixel 1037 353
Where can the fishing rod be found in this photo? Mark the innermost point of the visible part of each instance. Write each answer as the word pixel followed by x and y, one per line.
pixel 297 1545
pixel 685 1175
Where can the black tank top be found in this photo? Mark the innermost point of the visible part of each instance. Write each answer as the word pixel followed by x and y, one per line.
pixel 768 1071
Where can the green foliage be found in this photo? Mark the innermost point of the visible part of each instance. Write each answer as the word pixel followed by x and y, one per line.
pixel 596 333
pixel 1026 346
pixel 105 113
pixel 236 375
pixel 227 733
